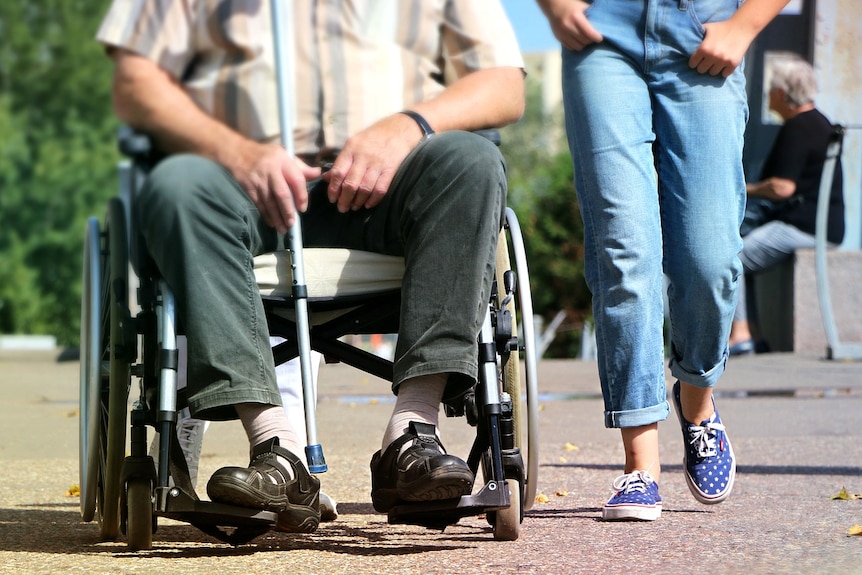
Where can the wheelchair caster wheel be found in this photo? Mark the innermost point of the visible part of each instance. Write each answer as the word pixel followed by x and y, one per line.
pixel 507 522
pixel 139 510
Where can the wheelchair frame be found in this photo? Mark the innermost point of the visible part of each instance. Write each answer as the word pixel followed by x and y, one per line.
pixel 128 494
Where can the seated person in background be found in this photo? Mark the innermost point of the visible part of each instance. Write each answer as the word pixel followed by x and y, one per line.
pixel 788 188
pixel 200 79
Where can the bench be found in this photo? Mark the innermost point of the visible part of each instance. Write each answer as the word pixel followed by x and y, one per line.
pixel 813 302
pixel 789 311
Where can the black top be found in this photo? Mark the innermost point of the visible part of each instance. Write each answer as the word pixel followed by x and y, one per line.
pixel 798 154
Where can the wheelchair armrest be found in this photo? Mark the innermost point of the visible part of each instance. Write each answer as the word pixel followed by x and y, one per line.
pixel 138 147
pixel 132 143
pixel 491 134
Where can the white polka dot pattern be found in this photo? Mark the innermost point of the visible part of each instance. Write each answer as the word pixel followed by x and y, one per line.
pixel 636 498
pixel 710 466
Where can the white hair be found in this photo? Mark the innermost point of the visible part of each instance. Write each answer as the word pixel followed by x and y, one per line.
pixel 795 76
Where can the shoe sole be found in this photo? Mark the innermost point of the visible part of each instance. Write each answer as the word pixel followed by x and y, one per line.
pixel 447 484
pixel 292 518
pixel 298 519
pixel 424 489
pixel 631 513
pixel 234 492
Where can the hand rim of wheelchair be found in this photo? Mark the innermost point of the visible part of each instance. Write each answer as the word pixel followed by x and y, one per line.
pixel 103 419
pixel 512 377
pixel 90 369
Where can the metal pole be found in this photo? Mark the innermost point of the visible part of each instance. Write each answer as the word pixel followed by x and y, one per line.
pixel 835 348
pixel 282 16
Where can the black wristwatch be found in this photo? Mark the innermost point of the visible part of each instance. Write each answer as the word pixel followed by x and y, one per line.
pixel 427 130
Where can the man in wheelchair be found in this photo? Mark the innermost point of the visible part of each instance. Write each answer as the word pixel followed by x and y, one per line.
pixel 387 95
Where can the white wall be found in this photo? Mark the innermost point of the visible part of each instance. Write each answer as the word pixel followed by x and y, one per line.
pixel 838 62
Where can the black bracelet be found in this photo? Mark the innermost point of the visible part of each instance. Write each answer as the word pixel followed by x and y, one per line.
pixel 427 131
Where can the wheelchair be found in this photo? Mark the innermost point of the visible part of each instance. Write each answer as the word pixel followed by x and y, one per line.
pixel 129 333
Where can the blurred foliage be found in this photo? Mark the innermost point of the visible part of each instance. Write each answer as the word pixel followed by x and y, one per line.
pixel 58 166
pixel 57 158
pixel 542 194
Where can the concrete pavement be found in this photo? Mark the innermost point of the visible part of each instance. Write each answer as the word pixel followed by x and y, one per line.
pixel 794 421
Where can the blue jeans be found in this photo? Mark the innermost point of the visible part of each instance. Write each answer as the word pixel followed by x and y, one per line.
pixel 657 149
pixel 767 246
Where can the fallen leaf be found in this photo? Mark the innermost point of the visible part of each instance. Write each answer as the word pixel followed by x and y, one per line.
pixel 563 460
pixel 542 498
pixel 855 530
pixel 561 493
pixel 571 447
pixel 73 491
pixel 845 495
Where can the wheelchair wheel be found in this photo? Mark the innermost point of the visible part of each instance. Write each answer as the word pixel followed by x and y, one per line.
pixel 105 371
pixel 520 381
pixel 507 522
pixel 91 363
pixel 139 510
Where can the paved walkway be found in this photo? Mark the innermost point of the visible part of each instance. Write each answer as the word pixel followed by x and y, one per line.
pixel 794 421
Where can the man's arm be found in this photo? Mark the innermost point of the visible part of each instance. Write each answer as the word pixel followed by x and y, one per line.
pixel 775 189
pixel 367 164
pixel 490 98
pixel 149 99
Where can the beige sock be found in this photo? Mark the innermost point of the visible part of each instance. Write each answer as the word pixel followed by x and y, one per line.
pixel 418 400
pixel 263 422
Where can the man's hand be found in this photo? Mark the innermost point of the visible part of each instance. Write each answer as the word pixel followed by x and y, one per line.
pixel 365 167
pixel 569 24
pixel 275 182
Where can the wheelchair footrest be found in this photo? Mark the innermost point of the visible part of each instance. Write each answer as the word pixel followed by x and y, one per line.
pixel 440 514
pixel 228 523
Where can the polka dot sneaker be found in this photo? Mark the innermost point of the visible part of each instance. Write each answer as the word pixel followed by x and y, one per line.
pixel 636 499
pixel 710 466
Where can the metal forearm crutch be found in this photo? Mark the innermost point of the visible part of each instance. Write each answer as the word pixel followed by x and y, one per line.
pixel 281 12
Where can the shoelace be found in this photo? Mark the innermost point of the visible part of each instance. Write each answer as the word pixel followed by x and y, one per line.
pixel 634 481
pixel 703 437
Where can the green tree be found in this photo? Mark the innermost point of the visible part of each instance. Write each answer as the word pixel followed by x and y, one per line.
pixel 57 158
pixel 542 194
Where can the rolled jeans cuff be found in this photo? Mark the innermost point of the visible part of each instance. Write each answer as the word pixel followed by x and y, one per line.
pixel 637 417
pixel 699 379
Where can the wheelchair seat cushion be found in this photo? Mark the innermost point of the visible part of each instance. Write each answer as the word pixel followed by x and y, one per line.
pixel 330 272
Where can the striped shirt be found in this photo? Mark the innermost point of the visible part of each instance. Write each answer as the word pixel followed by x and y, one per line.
pixel 356 61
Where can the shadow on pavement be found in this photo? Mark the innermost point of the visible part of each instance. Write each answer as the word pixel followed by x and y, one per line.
pixel 741 469
pixel 58 529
